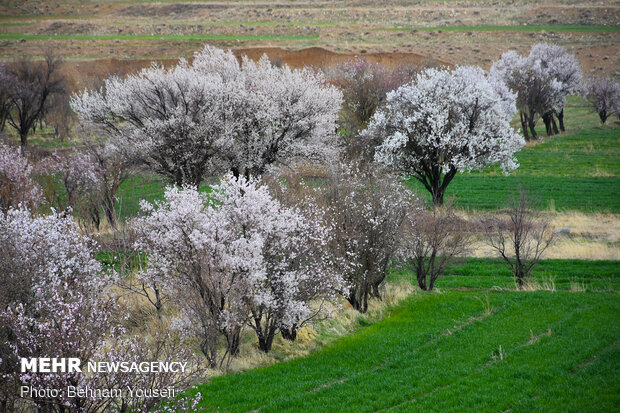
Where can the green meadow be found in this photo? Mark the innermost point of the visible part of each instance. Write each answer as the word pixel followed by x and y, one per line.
pixel 461 349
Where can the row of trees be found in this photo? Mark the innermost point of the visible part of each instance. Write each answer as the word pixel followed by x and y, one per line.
pixel 265 250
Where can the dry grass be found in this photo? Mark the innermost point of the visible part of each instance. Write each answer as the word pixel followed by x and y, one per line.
pixel 578 286
pixel 592 237
pixel 544 284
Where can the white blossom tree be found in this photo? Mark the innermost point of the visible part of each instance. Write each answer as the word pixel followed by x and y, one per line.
pixel 538 92
pixel 564 68
pixel 232 258
pixel 445 122
pixel 603 95
pixel 215 114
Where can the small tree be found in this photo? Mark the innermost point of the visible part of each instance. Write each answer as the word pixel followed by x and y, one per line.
pixel 366 212
pixel 432 240
pixel 603 95
pixel 521 237
pixel 364 86
pixel 564 68
pixel 538 91
pixel 32 86
pixel 111 167
pixel 16 183
pixel 75 173
pixel 445 122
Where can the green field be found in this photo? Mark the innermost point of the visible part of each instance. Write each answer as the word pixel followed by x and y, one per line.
pixel 578 170
pixel 564 274
pixel 473 350
pixel 561 194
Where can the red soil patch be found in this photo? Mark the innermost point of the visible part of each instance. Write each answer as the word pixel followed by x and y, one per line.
pixel 82 74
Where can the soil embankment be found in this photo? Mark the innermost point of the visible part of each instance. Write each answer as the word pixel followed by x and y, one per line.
pixel 88 73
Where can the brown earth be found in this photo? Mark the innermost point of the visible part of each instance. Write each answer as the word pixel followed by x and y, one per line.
pixel 315 32
pixel 81 74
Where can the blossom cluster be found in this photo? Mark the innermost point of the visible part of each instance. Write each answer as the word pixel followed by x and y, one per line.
pixel 16 183
pixel 450 120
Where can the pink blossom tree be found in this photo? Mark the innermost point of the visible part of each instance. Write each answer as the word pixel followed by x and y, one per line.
pixel 445 122
pixel 55 302
pixel 51 301
pixel 16 183
pixel 234 257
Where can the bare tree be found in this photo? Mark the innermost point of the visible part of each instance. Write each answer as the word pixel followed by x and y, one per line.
pixel 364 86
pixel 59 115
pixel 112 166
pixel 521 237
pixel 127 261
pixel 34 85
pixel 7 80
pixel 432 240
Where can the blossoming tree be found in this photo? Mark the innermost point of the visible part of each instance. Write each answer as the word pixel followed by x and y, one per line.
pixel 215 114
pixel 16 183
pixel 564 68
pixel 236 257
pixel 603 95
pixel 445 122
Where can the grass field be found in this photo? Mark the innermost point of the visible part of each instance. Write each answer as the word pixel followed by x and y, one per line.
pixel 480 192
pixel 474 350
pixel 565 275
pixel 578 170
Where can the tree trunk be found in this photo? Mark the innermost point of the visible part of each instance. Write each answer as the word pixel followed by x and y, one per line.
pixel 289 334
pixel 358 298
pixel 265 341
pixel 561 120
pixel 532 125
pixel 23 139
pixel 108 207
pixel 547 121
pixel 209 349
pixel 603 115
pixel 555 126
pixel 524 125
pixel 233 340
pixel 375 289
pixel 438 196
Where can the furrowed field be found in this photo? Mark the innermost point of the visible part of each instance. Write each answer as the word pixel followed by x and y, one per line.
pixel 480 350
